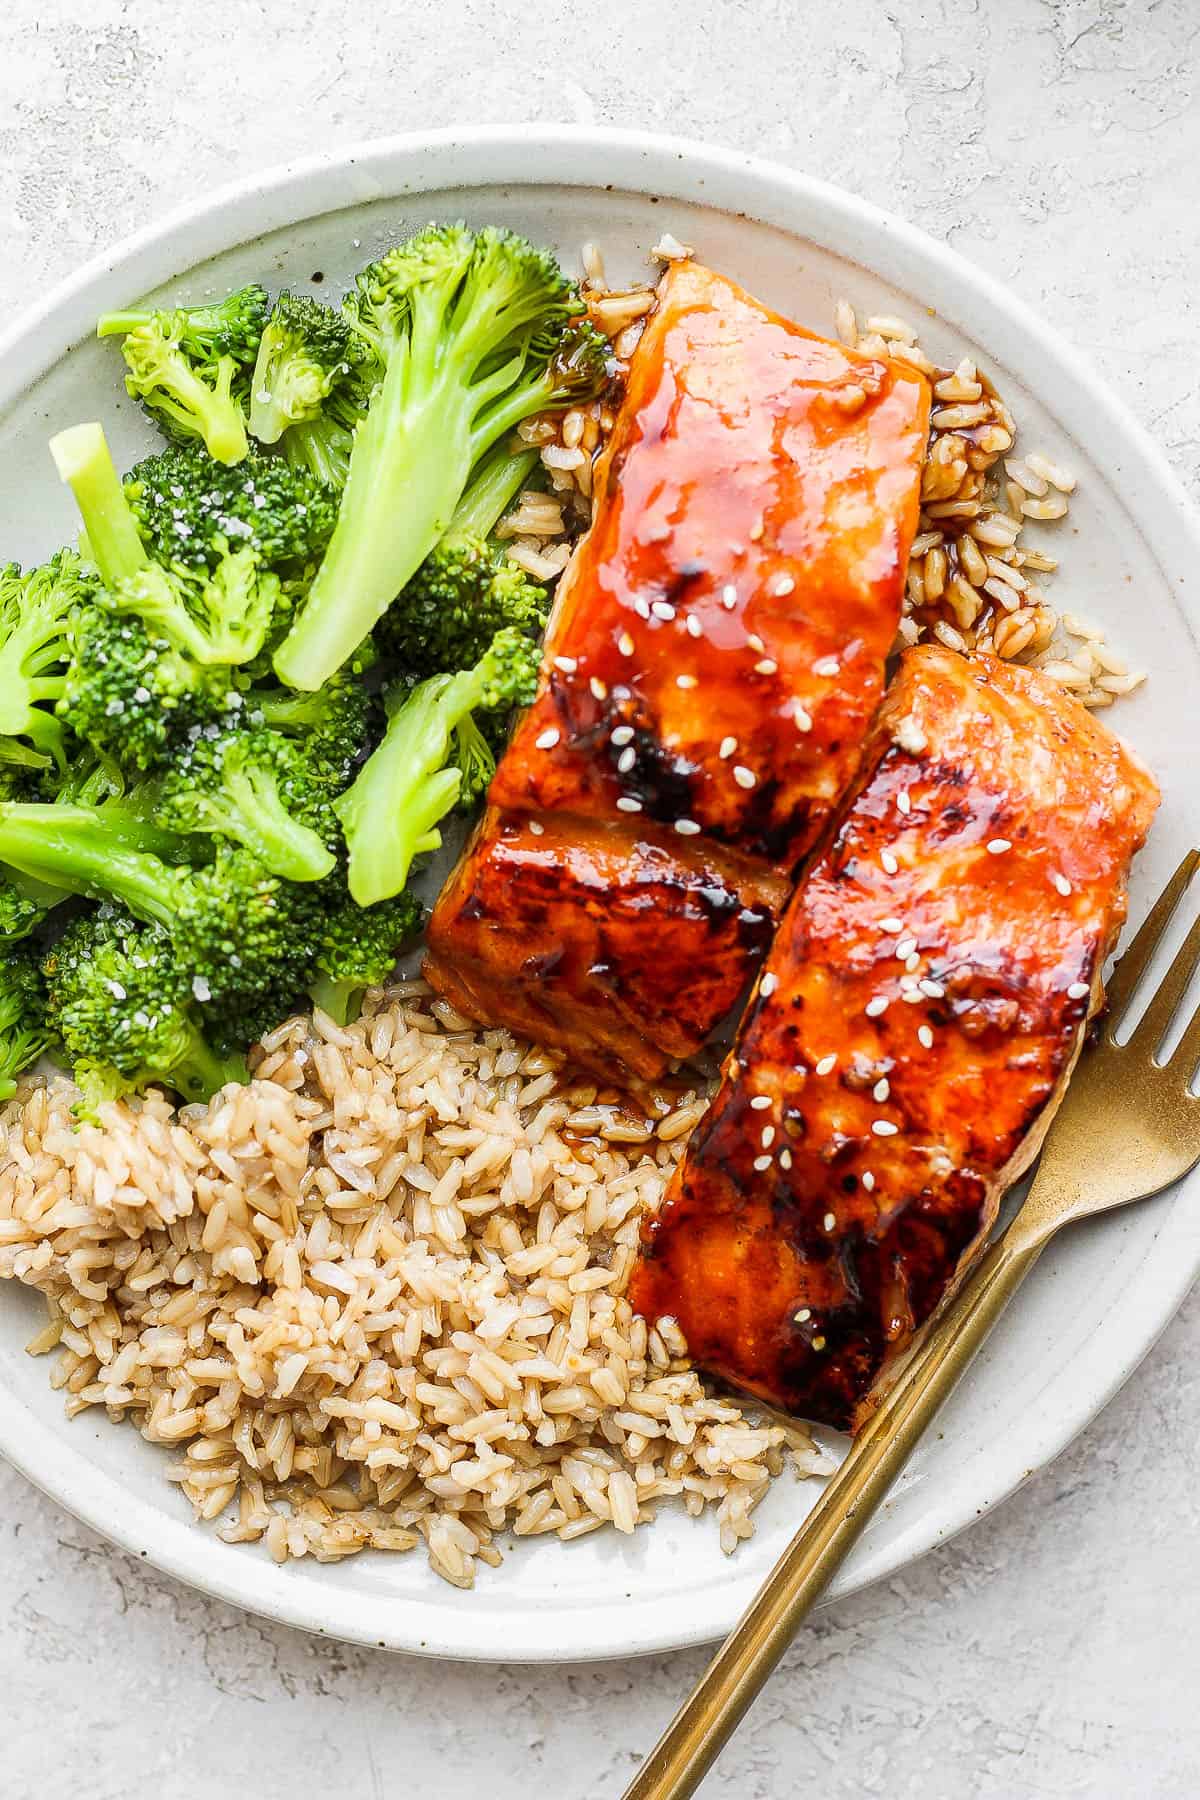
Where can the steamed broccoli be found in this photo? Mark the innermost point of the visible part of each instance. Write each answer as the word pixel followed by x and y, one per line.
pixel 36 610
pixel 357 949
pixel 24 1033
pixel 430 752
pixel 474 331
pixel 191 511
pixel 257 788
pixel 132 696
pixel 185 363
pixel 24 906
pixel 336 723
pixel 126 1012
pixel 321 447
pixel 465 591
pixel 305 351
pixel 235 927
pixel 217 617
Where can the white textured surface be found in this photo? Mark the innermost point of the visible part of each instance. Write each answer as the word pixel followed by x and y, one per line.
pixel 1051 1652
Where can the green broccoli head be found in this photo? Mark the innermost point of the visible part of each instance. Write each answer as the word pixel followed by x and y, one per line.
pixel 306 351
pixel 132 695
pixel 24 1032
pixel 191 511
pixel 36 613
pixel 357 947
pixel 257 788
pixel 469 329
pixel 336 725
pixel 126 1013
pixel 457 601
pixel 188 365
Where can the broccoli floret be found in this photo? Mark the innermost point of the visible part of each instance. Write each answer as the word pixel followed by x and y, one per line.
pixel 217 617
pixel 191 511
pixel 474 332
pixel 184 363
pixel 24 906
pixel 357 948
pixel 236 928
pixel 321 447
pixel 337 724
pixel 132 696
pixel 24 1032
pixel 35 632
pixel 392 811
pixel 305 351
pixel 465 591
pixel 257 788
pixel 126 1014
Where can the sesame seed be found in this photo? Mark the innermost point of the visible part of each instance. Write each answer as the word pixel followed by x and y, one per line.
pixel 567 664
pixel 755 642
pixel 912 995
pixel 818 1343
pixel 785 1159
pixel 694 628
pixel 761 1163
pixel 687 827
pixel 745 778
pixel 905 948
pixel 685 681
pixel 641 608
pixel 756 531
pixel 827 1065
pixel 729 597
pixel 997 846
pixel 621 735
pixel 933 990
pixel 912 962
pixel 599 691
pixel 903 803
pixel 768 1136
pixel 728 746
pixel 891 925
pixel 625 644
pixel 868 1181
pixel 803 719
pixel 804 1315
pixel 925 1037
pixel 1062 884
pixel 890 865
pixel 768 984
pixel 767 666
pixel 829 1222
pixel 1078 990
pixel 626 804
pixel 782 584
pixel 662 609
pixel 547 739
pixel 884 1128
pixel 881 1090
pixel 877 1006
pixel 760 1102
pixel 827 665
pixel 536 829
pixel 626 760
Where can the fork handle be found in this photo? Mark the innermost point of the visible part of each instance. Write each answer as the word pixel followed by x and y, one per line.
pixel 706 1720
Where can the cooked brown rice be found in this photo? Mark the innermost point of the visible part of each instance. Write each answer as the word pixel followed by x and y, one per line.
pixel 376 1297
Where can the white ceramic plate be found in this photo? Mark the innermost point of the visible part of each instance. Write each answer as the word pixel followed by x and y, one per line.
pixel 1129 550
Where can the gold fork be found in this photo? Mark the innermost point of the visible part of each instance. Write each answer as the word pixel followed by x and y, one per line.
pixel 1128 1127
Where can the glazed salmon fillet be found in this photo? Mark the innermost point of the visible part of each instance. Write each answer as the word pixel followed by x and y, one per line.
pixel 910 1037
pixel 713 662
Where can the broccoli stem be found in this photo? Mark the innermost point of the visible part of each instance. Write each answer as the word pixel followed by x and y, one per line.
pixel 79 849
pixel 391 812
pixel 262 824
pixel 85 463
pixel 341 1000
pixel 201 1072
pixel 400 497
pixel 497 480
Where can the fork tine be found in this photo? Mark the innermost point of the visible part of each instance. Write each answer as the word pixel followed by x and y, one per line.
pixel 1155 1022
pixel 1134 959
pixel 1186 1054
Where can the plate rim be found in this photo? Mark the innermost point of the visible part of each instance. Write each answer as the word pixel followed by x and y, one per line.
pixel 731 181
